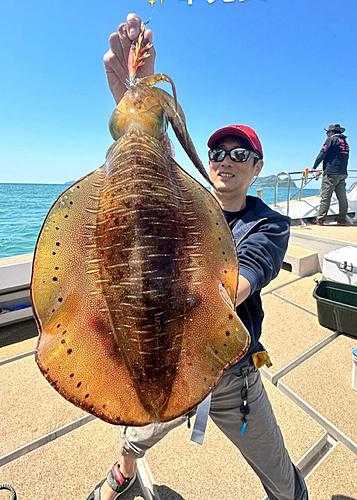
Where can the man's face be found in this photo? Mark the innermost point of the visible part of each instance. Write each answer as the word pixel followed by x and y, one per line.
pixel 233 177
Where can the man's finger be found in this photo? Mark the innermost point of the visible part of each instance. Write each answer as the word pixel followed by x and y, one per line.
pixel 133 23
pixel 116 46
pixel 113 65
pixel 148 36
pixel 116 76
pixel 115 59
pixel 119 41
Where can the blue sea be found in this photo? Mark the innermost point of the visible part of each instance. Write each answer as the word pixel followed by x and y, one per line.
pixel 23 208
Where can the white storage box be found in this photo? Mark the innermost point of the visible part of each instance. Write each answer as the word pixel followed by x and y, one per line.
pixel 341 265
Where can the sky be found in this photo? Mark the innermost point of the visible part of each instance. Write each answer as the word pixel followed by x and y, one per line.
pixel 288 68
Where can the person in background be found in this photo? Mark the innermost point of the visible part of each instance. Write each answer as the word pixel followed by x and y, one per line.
pixel 239 406
pixel 334 155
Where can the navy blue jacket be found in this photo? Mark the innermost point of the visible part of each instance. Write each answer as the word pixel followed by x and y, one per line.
pixel 261 235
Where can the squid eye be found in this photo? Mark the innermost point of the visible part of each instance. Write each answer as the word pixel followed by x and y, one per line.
pixel 117 124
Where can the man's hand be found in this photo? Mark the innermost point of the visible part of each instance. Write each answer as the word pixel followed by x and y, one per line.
pixel 116 59
pixel 317 174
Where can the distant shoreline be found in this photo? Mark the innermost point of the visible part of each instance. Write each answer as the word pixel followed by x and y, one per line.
pixel 269 181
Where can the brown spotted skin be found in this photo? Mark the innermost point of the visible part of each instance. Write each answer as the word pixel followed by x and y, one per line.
pixel 134 280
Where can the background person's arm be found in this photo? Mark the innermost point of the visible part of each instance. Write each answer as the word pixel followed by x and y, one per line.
pixel 320 157
pixel 322 154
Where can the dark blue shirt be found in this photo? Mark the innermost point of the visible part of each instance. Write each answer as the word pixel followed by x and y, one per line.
pixel 262 236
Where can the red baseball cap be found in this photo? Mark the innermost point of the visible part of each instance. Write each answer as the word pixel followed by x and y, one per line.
pixel 241 131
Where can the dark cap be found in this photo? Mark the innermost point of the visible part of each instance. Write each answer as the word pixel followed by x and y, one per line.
pixel 335 127
pixel 240 131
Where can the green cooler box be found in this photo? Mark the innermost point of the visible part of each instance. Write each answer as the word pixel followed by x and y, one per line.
pixel 337 306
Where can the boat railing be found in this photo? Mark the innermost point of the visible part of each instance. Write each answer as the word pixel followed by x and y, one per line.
pixel 291 178
pixel 352 174
pixel 301 179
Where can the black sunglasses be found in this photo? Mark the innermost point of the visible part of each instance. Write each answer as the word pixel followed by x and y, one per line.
pixel 236 154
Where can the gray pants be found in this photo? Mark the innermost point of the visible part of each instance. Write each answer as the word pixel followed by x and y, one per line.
pixel 331 183
pixel 262 444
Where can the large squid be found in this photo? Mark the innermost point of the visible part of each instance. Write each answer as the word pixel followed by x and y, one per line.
pixel 135 274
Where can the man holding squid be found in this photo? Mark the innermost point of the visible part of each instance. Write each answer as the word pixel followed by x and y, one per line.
pixel 261 235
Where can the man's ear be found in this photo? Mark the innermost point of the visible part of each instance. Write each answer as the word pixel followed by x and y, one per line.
pixel 258 167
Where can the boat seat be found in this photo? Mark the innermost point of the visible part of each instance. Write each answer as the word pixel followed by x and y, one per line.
pixel 301 261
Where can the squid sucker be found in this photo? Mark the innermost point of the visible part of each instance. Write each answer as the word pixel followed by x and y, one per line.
pixel 135 276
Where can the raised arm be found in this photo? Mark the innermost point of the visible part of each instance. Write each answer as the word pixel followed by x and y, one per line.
pixel 116 59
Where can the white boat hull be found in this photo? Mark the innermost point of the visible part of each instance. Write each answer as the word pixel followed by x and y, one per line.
pixel 308 208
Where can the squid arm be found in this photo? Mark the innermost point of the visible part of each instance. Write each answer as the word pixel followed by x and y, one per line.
pixel 177 119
